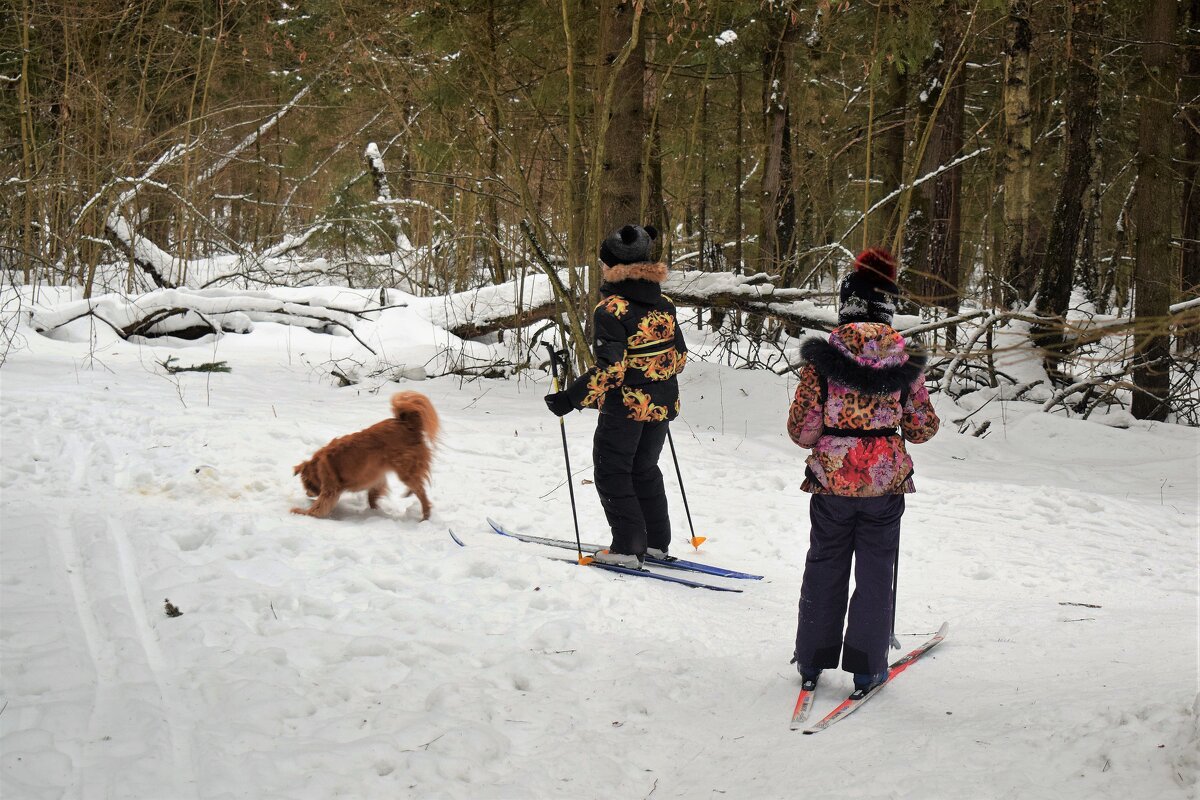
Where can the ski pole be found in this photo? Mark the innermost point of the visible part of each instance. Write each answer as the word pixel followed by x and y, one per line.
pixel 555 357
pixel 895 586
pixel 696 540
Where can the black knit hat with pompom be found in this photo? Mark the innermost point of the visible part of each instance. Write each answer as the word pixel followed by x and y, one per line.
pixel 869 292
pixel 628 245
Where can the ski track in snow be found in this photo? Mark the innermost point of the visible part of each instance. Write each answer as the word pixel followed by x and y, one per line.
pixel 369 655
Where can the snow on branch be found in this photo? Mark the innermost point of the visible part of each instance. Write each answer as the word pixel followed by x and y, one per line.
pixel 149 257
pixel 291 242
pixel 1179 308
pixel 905 187
pixel 383 192
pixel 250 138
pixel 164 269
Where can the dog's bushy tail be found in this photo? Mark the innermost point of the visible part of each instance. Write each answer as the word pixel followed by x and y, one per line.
pixel 416 406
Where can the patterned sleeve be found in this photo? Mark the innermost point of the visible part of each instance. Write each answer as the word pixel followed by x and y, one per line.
pixel 919 422
pixel 806 417
pixel 609 371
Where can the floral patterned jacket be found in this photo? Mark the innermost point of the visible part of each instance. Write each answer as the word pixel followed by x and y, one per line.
pixel 639 348
pixel 872 381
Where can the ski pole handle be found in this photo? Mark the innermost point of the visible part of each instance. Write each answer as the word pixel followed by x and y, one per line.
pixel 553 359
pixel 558 358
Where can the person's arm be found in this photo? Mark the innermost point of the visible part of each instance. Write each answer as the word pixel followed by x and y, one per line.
pixel 609 371
pixel 806 417
pixel 918 421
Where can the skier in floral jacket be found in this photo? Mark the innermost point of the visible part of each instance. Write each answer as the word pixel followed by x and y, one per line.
pixel 639 350
pixel 861 396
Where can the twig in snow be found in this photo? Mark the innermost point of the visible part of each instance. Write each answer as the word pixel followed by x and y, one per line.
pixel 212 366
pixel 424 746
pixel 564 483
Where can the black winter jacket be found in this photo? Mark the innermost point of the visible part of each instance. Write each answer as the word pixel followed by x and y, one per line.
pixel 639 348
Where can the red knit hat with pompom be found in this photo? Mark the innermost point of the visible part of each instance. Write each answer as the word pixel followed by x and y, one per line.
pixel 877 260
pixel 868 293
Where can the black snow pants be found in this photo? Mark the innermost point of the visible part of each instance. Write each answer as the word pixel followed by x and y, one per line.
pixel 867 531
pixel 625 461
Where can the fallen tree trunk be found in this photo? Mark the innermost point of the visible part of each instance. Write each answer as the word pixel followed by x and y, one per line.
pixel 189 314
pixel 480 312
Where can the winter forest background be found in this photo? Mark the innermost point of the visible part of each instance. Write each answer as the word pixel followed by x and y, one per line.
pixel 229 229
pixel 1035 163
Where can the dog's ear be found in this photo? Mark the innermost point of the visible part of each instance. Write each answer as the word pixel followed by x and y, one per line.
pixel 296 470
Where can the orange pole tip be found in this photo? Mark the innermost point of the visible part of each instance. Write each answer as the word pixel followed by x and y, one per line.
pixel 698 540
pixel 585 560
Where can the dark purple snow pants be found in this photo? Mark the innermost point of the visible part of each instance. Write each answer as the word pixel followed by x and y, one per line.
pixel 867 531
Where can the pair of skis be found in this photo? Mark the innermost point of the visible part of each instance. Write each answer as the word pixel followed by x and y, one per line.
pixel 855 701
pixel 669 563
pixel 804 702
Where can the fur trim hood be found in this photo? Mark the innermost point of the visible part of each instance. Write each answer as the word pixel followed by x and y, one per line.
pixel 867 357
pixel 653 271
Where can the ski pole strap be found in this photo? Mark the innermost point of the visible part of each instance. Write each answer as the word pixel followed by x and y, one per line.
pixel 557 359
pixel 861 433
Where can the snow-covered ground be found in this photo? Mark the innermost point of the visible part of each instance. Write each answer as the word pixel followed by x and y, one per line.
pixel 368 655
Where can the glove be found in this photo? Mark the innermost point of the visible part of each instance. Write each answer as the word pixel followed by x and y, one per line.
pixel 559 403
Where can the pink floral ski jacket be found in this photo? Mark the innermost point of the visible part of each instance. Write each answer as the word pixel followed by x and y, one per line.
pixel 864 378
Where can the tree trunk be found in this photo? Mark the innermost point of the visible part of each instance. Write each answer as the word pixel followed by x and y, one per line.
pixel 495 251
pixel 703 249
pixel 1018 150
pixel 654 208
pixel 1082 119
pixel 615 182
pixel 739 264
pixel 935 224
pixel 812 178
pixel 621 170
pixel 777 203
pixel 1189 90
pixel 1154 268
pixel 576 182
pixel 891 152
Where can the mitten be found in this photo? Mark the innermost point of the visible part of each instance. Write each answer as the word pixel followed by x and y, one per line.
pixel 559 403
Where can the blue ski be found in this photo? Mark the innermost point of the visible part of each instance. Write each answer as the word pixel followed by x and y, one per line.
pixel 645 573
pixel 669 563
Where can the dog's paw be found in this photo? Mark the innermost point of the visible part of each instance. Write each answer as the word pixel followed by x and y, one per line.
pixel 303 511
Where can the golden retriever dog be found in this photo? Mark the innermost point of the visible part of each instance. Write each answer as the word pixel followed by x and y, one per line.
pixel 361 461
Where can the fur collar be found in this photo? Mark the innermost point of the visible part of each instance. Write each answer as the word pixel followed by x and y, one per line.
pixel 837 366
pixel 655 272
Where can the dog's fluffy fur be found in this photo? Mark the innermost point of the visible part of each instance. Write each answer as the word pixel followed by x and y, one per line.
pixel 361 461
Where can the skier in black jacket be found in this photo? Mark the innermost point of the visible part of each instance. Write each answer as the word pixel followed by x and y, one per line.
pixel 639 350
